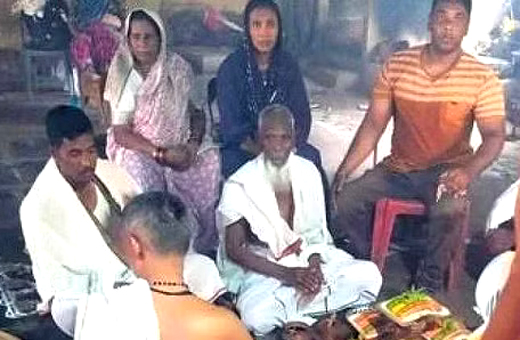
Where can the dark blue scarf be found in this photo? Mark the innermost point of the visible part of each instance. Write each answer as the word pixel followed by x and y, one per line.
pixel 88 11
pixel 262 89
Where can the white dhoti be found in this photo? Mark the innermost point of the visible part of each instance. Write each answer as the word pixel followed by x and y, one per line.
pixel 265 302
pixel 503 208
pixel 491 283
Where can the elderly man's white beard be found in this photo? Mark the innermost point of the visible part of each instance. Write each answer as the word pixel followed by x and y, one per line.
pixel 279 177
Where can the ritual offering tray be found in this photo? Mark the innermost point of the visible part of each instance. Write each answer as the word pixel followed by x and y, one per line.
pixel 411 306
pixel 375 325
pixel 451 329
pixel 365 323
pixel 412 315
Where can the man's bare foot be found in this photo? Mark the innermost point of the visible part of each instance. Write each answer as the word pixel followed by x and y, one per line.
pixel 298 331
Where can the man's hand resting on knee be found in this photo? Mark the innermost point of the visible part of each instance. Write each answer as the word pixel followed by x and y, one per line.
pixel 456 182
pixel 308 279
pixel 304 279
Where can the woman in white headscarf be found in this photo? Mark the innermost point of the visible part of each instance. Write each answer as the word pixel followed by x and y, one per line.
pixel 156 134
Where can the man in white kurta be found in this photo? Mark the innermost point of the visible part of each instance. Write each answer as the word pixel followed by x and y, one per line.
pixel 284 266
pixel 65 232
pixel 500 240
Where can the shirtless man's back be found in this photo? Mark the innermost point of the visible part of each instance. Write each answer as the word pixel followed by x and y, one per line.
pixel 190 318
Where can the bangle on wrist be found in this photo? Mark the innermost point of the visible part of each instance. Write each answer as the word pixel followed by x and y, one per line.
pixel 159 155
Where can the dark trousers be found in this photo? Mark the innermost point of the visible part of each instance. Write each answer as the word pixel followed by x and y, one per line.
pixel 352 223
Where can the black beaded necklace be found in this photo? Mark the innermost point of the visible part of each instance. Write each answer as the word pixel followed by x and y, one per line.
pixel 170 284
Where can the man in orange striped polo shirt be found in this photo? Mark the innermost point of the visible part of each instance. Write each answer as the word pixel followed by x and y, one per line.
pixel 435 93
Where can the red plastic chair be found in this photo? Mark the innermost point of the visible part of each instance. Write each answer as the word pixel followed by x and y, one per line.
pixel 388 209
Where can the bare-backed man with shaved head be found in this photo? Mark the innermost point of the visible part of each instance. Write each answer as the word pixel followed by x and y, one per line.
pixel 153 237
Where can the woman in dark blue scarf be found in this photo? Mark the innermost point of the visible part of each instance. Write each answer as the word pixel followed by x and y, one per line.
pixel 90 11
pixel 47 27
pixel 258 74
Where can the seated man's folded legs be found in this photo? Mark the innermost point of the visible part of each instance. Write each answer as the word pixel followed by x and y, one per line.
pixel 355 205
pixel 365 284
pixel 349 283
pixel 259 307
pixel 266 303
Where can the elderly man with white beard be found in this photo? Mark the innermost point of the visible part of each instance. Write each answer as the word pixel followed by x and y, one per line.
pixel 276 252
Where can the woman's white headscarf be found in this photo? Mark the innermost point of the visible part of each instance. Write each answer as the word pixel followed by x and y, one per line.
pixel 161 114
pixel 123 61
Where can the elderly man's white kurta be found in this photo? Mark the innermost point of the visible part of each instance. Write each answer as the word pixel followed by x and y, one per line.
pixel 264 302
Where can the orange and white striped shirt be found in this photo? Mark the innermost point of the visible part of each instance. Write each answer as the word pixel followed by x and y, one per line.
pixel 433 117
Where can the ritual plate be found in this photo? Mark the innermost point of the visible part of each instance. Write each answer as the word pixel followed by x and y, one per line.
pixel 451 329
pixel 364 321
pixel 411 306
